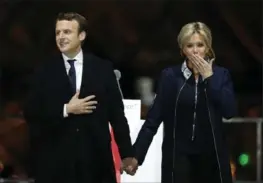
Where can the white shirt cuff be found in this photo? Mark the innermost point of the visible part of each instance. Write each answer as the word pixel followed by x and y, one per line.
pixel 65 114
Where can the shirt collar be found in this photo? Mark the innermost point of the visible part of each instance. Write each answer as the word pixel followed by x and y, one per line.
pixel 186 71
pixel 78 57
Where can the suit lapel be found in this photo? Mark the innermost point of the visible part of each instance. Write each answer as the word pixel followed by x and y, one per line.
pixel 87 82
pixel 61 73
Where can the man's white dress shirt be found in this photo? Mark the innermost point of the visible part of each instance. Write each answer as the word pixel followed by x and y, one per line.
pixel 78 67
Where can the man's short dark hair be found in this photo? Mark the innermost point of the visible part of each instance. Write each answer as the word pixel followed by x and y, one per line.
pixel 74 16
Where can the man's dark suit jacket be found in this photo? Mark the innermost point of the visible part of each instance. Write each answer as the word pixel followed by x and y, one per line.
pixel 65 147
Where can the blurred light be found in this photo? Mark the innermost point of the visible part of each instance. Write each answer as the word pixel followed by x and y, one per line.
pixel 233 169
pixel 144 87
pixel 1 166
pixel 243 159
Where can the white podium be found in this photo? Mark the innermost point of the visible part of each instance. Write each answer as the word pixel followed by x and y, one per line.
pixel 150 171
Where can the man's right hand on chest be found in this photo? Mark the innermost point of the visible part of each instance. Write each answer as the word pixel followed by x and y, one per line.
pixel 80 106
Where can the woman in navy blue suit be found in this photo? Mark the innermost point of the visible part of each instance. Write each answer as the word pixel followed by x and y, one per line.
pixel 192 98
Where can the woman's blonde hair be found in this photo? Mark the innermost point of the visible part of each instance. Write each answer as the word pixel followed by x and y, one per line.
pixel 196 27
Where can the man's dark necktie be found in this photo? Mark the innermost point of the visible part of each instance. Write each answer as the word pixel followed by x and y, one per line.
pixel 72 74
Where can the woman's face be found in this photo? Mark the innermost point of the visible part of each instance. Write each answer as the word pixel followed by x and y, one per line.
pixel 195 45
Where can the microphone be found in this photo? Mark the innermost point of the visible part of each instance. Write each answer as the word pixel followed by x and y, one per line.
pixel 118 77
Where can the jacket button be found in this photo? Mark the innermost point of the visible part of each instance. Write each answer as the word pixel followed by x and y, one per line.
pixel 77 130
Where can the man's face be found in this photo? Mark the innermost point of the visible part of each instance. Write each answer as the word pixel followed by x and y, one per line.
pixel 68 37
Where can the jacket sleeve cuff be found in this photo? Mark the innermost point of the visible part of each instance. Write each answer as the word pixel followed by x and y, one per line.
pixel 206 80
pixel 127 154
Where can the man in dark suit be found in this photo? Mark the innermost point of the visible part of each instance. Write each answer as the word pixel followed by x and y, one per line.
pixel 74 97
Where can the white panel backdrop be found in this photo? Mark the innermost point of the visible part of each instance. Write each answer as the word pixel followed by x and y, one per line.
pixel 150 171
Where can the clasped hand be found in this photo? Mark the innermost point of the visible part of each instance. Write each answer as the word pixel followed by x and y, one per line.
pixel 129 165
